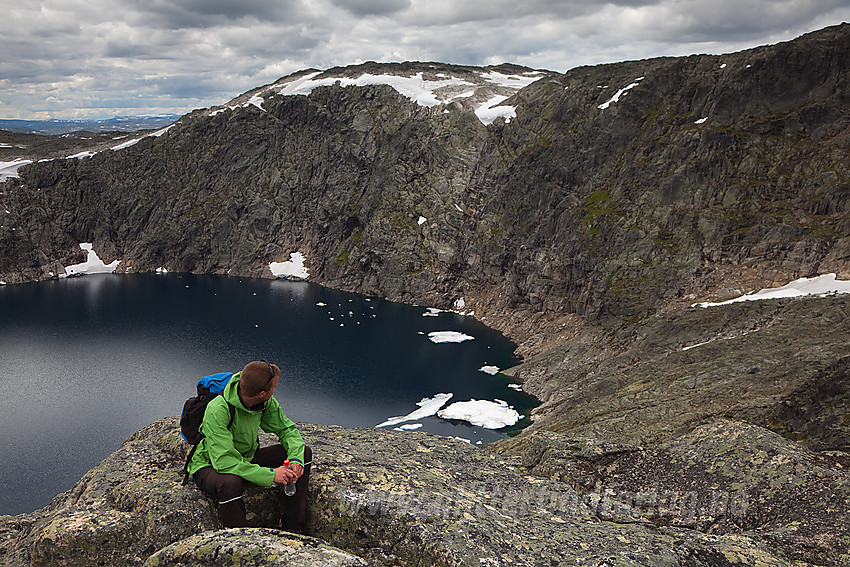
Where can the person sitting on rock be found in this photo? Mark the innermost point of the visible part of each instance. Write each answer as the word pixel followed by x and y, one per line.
pixel 227 456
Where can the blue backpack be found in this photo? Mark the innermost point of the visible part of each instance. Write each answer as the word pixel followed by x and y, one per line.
pixel 193 412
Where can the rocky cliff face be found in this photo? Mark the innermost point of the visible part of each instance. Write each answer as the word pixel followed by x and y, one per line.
pixel 615 190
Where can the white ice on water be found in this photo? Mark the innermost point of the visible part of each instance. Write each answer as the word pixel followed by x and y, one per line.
pixel 483 413
pixel 427 407
pixel 448 337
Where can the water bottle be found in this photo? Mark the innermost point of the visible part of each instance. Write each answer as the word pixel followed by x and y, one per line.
pixel 289 487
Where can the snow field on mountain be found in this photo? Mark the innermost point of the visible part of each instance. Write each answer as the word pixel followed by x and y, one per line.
pixel 826 284
pixel 424 92
pixel 9 169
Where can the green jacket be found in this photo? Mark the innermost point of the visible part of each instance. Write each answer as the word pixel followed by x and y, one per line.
pixel 231 450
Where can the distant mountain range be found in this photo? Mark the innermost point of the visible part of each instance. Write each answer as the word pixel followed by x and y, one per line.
pixel 58 127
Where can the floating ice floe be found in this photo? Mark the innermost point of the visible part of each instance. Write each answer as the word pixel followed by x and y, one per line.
pixel 293 269
pixel 427 407
pixel 432 312
pixel 448 337
pixel 817 286
pixel 483 413
pixel 92 265
pixel 489 369
pixel 408 427
pixel 517 387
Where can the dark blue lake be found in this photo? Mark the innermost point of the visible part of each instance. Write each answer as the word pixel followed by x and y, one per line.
pixel 88 361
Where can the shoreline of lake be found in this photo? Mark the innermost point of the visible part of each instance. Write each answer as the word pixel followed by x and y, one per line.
pixel 108 355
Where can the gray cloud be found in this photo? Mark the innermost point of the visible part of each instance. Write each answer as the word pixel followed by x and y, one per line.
pixel 372 7
pixel 99 58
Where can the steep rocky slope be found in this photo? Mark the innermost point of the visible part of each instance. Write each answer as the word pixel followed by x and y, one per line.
pixel 782 364
pixel 707 172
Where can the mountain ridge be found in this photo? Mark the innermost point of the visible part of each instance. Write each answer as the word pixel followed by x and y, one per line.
pixel 592 193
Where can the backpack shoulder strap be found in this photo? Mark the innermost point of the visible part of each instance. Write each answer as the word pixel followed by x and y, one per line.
pixel 192 450
pixel 232 413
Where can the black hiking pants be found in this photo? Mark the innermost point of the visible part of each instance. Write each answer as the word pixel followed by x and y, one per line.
pixel 227 490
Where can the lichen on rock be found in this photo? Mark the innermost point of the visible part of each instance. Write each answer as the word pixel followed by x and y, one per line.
pixel 386 497
pixel 251 546
pixel 722 478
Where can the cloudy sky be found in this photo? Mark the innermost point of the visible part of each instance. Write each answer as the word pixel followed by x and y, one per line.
pixel 103 58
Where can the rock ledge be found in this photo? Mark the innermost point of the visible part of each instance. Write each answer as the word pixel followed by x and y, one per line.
pixel 402 498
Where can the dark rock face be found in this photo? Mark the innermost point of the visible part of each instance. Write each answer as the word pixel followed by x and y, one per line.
pixel 816 413
pixel 401 498
pixel 781 364
pixel 571 207
pixel 722 478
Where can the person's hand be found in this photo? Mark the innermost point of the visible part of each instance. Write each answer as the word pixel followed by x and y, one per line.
pixel 297 469
pixel 285 475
